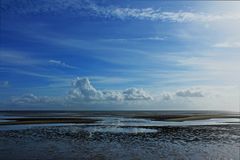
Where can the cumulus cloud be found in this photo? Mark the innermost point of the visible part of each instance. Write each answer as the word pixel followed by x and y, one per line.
pixel 184 93
pixel 166 96
pixel 82 89
pixel 136 94
pixel 60 63
pixel 189 93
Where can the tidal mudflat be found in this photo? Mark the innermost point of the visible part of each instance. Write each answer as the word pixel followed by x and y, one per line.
pixel 119 135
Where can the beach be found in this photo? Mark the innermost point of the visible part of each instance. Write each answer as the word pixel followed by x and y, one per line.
pixel 119 135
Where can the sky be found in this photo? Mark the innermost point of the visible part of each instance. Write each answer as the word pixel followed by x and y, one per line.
pixel 119 55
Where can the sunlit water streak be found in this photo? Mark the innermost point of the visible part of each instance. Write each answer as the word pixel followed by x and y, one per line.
pixel 118 137
pixel 124 125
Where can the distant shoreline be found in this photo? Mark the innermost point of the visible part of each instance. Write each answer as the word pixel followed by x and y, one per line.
pixel 31 117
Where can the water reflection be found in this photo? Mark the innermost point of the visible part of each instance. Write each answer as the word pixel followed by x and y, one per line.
pixel 122 124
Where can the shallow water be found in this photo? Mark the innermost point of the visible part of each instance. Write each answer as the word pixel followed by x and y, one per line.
pixel 115 137
pixel 119 124
pixel 128 125
pixel 122 121
pixel 72 142
pixel 125 125
pixel 4 118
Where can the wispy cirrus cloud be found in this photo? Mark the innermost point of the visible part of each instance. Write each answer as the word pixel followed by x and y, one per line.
pixel 153 38
pixel 61 64
pixel 32 99
pixel 78 8
pixel 227 45
pixel 11 57
pixel 20 58
pixel 158 14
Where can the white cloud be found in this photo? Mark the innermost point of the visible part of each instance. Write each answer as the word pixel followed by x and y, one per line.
pixel 76 8
pixel 158 14
pixel 32 99
pixel 166 96
pixel 83 90
pixel 154 38
pixel 201 97
pixel 183 93
pixel 11 57
pixel 227 45
pixel 113 95
pixel 190 93
pixel 60 63
pixel 29 73
pixel 136 94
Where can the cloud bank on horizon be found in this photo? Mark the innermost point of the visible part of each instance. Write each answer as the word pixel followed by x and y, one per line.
pixel 83 92
pixel 148 55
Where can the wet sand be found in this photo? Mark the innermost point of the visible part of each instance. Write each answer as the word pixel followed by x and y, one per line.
pixel 69 142
pixel 139 142
pixel 41 117
pixel 42 120
pixel 187 117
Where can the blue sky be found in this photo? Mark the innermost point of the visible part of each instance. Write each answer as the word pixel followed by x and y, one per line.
pixel 83 54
